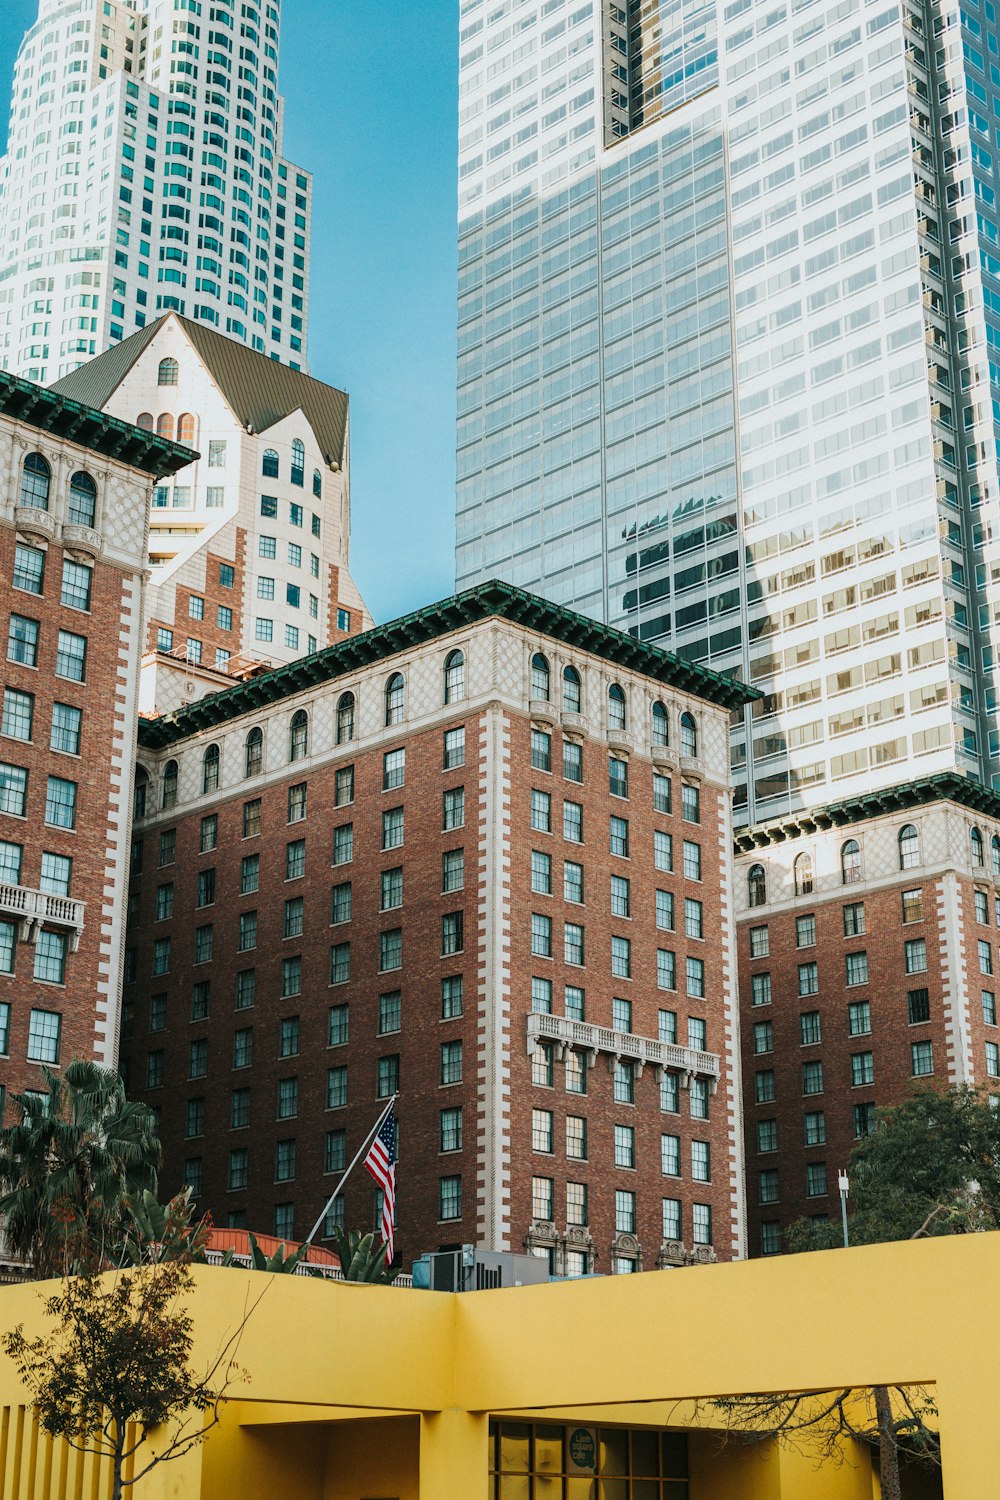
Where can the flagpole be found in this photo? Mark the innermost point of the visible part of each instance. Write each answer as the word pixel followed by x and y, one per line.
pixel 336 1192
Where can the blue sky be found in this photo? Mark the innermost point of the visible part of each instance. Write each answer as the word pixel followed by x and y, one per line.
pixel 371 110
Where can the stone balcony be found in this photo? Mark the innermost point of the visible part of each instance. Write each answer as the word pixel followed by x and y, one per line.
pixel 580 1036
pixel 36 909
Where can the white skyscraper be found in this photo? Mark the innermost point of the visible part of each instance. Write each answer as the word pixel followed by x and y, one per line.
pixel 144 174
pixel 729 308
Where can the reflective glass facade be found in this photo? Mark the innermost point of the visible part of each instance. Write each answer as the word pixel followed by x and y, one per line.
pixel 725 324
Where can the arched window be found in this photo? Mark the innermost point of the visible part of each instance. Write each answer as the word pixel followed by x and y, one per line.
pixel 540 677
pixel 210 769
pixel 976 843
pixel 689 735
pixel 909 847
pixel 298 462
pixel 145 421
pixel 165 425
pixel 454 677
pixel 803 871
pixel 36 478
pixel 253 753
pixel 395 699
pixel 167 372
pixel 298 735
pixel 82 499
pixel 269 465
pixel 995 849
pixel 141 792
pixel 616 707
pixel 317 484
pixel 757 885
pixel 572 696
pixel 661 725
pixel 850 862
pixel 185 428
pixel 169 794
pixel 345 718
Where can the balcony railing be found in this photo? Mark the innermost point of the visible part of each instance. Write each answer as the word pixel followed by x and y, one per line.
pixel 582 1037
pixel 35 909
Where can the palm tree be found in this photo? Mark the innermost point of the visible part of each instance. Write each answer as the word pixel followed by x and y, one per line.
pixel 69 1166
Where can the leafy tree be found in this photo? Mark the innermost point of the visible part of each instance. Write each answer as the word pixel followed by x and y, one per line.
pixel 118 1354
pixel 70 1163
pixel 931 1166
pixel 360 1260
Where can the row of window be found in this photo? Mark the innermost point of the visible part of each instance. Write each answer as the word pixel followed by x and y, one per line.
pixel 387 1067
pixel 56 872
pixel 814 1128
pixel 617 706
pixel 812 1075
pixel 577 1210
pixel 36 489
pixel 619 835
pixel 575 1069
pixel 856 970
pixel 29 577
pixel 44 1030
pixel 908 842
pixel 24 636
pixel 60 796
pixel 17 721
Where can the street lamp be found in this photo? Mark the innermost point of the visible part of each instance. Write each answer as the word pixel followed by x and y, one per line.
pixel 843 1185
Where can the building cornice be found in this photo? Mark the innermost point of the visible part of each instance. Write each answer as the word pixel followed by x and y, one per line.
pixel 946 786
pixel 488 600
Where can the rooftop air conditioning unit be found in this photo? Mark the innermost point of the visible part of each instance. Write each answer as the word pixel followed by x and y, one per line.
pixel 472 1270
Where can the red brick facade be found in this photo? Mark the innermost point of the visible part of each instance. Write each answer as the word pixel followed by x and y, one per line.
pixel 467 1055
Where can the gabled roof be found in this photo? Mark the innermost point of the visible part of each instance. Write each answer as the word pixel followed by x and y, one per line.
pixel 258 390
pixel 79 423
pixel 385 641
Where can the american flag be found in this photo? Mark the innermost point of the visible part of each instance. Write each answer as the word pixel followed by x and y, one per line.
pixel 381 1163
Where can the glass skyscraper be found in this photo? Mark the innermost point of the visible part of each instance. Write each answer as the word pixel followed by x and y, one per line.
pixel 729 358
pixel 144 174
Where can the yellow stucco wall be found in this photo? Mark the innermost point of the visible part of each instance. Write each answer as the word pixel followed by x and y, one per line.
pixel 356 1391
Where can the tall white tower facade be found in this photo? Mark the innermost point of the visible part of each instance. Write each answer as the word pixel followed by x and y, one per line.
pixel 144 174
pixel 729 314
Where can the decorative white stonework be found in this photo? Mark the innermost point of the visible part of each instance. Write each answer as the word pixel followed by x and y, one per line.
pixel 36 909
pixel 580 1036
pixel 731 1011
pixel 493 1144
pixel 955 964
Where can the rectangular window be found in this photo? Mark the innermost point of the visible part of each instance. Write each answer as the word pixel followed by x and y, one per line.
pixel 915 954
pixel 762 1037
pixel 249 874
pixel 809 979
pixel 576 1072
pixel 203 944
pixel 294 916
pixel 921 1059
pixel 812 1078
pixel 862 1069
pixel 913 906
pixel 541 935
pixel 625 1220
pixel 208 833
pixel 663 851
pixel 454 748
pixel 621 1015
pixel 251 818
pixel 393 769
pixel 454 809
pixel 338 1026
pixel 573 943
pixel 450 1198
pixel 451 997
pixel 574 1003
pixel 542 1198
pixel 389 1012
pixel 621 903
pixel 168 846
pixel 18 714
pixel 989 1002
pixel 453 870
pixel 809 1028
pixel 701 1161
pixel 692 918
pixel 56 874
pixel 805 932
pixel 854 919
pixel 541 750
pixel 451 1062
pixel 247 935
pixel 44 1031
pixel 764 1090
pixel 618 777
pixel 295 859
pixel 573 822
pixel 576 1137
pixel 336 1087
pixel 670 1097
pixel 288 1098
pixel 291 977
pixel 76 585
pixel 859 1018
pixel 816 1179
pixel 22 641
pixel 662 801
pixel 573 882
pixel 340 963
pixel 767 1136
pixel 671 1218
pixel 619 837
pixel 624 1146
pixel 161 956
pixel 692 860
pixel 387 1076
pixel 243 1048
pixel 670 1155
pixel 343 794
pixel 392 828
pixel 452 933
pixel 391 949
pixel 541 812
pixel 624 1082
pixel 621 958
pixel 71 656
pixel 450 1130
pixel 29 569
pixel 992 1060
pixel 541 1130
pixel 343 844
pixel 694 972
pixel 576 1203
pixel 206 888
pixel 572 761
pixel 198 1058
pixel 665 911
pixel 246 988
pixel 541 1065
pixel 918 1003
pixel 541 873
pixel 666 969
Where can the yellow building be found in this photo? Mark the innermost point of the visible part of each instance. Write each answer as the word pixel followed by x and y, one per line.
pixel 369 1393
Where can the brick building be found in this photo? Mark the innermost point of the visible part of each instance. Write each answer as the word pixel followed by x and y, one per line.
pixel 249 545
pixel 479 855
pixel 73 509
pixel 868 955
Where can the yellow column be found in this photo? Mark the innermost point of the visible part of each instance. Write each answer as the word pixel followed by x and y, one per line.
pixel 967 1421
pixel 454 1455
